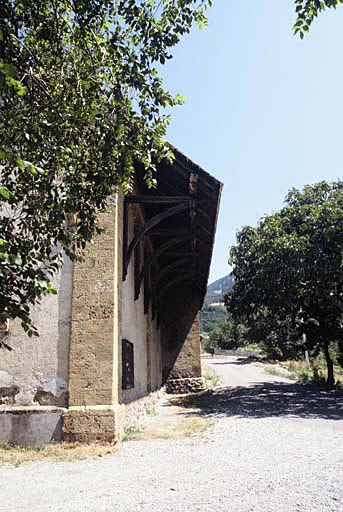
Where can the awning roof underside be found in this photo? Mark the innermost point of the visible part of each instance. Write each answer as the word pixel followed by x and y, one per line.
pixel 182 241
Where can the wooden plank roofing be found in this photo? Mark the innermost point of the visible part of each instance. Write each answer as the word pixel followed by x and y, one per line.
pixel 182 241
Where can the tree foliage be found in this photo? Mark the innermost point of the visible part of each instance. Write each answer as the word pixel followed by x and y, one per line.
pixel 291 265
pixel 280 338
pixel 228 336
pixel 81 104
pixel 308 10
pixel 210 316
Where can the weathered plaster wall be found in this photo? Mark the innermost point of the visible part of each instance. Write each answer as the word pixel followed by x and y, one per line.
pixel 134 329
pixel 139 328
pixel 36 371
pixel 31 425
pixel 156 356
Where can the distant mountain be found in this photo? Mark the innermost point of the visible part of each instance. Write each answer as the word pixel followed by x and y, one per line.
pixel 214 311
pixel 220 287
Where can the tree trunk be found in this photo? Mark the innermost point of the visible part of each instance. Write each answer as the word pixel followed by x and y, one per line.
pixel 340 353
pixel 307 359
pixel 329 363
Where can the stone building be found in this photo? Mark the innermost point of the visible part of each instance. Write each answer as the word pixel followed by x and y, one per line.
pixel 110 338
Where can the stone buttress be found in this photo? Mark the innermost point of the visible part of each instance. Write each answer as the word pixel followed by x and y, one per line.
pixel 94 411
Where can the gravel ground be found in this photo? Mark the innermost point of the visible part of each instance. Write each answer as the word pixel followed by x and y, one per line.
pixel 274 446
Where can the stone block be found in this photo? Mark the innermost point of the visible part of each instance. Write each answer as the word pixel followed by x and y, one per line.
pixel 86 424
pixel 30 426
pixel 185 386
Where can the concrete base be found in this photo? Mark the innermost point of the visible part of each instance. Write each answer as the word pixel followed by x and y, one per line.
pixel 186 385
pixel 94 423
pixel 31 426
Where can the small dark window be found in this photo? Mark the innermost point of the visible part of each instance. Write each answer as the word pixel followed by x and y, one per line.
pixel 128 378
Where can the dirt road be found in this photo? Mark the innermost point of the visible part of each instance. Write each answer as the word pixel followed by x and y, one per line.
pixel 234 371
pixel 274 447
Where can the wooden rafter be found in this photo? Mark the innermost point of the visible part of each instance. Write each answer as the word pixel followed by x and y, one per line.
pixel 188 204
pixel 164 247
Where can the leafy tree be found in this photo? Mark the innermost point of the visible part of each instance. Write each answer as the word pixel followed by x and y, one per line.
pixel 81 104
pixel 291 265
pixel 228 335
pixel 308 10
pixel 210 316
pixel 278 337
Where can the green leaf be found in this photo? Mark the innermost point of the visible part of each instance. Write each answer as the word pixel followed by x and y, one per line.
pixel 30 167
pixel 9 69
pixel 95 107
pixel 4 192
pixel 20 164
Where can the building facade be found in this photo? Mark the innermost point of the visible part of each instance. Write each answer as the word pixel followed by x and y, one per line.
pixel 110 338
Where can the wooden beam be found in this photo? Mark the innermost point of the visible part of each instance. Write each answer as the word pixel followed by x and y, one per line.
pixel 125 233
pixel 157 199
pixel 147 226
pixel 164 247
pixel 172 267
pixel 170 232
pixel 185 170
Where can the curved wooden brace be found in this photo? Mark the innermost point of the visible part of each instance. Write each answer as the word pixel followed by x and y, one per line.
pixel 170 267
pixel 161 275
pixel 156 254
pixel 149 225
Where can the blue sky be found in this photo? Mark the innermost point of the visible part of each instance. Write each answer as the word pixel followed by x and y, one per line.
pixel 263 111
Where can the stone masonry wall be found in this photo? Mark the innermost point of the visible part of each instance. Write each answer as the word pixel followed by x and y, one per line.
pixel 95 352
pixel 185 376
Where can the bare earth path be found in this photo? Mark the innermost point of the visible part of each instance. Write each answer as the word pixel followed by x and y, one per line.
pixel 274 446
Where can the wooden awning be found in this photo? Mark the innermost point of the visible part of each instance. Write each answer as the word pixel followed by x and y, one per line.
pixel 180 221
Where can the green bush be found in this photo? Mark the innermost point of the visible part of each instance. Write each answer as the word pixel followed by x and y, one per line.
pixel 228 336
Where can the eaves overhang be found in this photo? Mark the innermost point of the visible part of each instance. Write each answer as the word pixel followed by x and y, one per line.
pixel 180 221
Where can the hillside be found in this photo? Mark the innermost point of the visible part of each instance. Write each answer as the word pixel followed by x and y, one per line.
pixel 214 312
pixel 221 286
pixel 217 290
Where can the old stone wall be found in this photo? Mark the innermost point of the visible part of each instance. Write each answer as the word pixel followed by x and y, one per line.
pixel 136 411
pixel 185 376
pixel 67 384
pixel 31 425
pixel 188 363
pixel 95 353
pixel 34 375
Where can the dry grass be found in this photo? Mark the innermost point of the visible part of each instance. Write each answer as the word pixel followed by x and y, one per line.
pixel 297 370
pixel 280 371
pixel 185 427
pixel 211 378
pixel 171 421
pixel 59 452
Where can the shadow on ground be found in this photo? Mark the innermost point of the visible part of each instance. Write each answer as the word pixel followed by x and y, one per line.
pixel 240 360
pixel 268 399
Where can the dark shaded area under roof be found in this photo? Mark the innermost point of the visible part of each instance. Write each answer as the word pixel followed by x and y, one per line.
pixel 182 243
